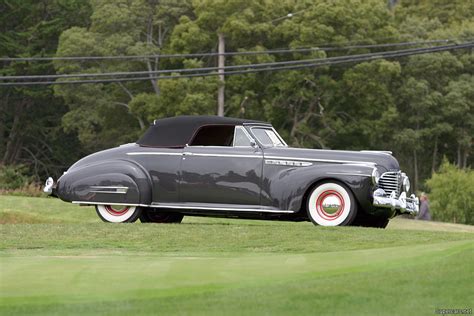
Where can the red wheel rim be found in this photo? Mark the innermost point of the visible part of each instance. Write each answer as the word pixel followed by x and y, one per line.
pixel 112 210
pixel 323 197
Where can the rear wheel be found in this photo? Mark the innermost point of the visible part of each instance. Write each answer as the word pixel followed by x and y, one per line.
pixel 331 204
pixel 118 213
pixel 151 215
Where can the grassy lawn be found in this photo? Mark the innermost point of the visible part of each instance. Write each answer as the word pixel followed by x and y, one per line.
pixel 58 258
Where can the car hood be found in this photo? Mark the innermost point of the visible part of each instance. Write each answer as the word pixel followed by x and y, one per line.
pixel 383 160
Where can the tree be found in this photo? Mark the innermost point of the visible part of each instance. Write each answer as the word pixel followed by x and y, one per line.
pixel 102 114
pixel 459 109
pixel 30 132
pixel 452 194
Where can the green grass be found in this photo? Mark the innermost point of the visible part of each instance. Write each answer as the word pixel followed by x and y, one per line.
pixel 58 258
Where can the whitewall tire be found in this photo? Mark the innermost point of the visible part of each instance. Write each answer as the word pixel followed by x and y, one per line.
pixel 331 204
pixel 118 213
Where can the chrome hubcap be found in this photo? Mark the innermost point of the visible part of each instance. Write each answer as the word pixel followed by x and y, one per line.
pixel 331 204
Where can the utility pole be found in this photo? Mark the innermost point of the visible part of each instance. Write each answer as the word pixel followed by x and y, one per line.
pixel 221 65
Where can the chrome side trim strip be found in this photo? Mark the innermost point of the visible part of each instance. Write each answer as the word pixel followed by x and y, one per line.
pixel 137 153
pixel 222 155
pixel 324 160
pixel 114 192
pixel 189 207
pixel 106 203
pixel 288 163
pixel 107 187
pixel 193 154
pixel 350 174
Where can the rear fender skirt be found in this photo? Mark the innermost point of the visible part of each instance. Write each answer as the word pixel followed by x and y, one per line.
pixel 118 181
pixel 288 186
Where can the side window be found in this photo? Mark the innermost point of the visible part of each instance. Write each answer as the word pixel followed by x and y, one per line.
pixel 240 138
pixel 214 135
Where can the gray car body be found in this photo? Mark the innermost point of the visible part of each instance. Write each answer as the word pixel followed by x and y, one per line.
pixel 245 182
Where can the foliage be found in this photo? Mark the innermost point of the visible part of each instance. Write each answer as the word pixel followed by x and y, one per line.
pixel 452 194
pixel 15 180
pixel 30 117
pixel 419 107
pixel 13 177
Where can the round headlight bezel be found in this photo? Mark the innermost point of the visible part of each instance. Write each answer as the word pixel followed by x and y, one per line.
pixel 375 176
pixel 406 184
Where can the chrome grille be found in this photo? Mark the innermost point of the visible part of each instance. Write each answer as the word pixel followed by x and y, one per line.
pixel 390 181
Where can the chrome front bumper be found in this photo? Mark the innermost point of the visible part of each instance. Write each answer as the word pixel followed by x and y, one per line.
pixel 49 186
pixel 403 204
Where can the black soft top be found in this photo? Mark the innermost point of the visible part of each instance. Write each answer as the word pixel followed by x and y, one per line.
pixel 179 130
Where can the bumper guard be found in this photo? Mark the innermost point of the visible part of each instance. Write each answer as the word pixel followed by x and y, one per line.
pixel 403 204
pixel 50 187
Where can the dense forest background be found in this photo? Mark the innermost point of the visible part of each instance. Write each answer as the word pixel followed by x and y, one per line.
pixel 420 107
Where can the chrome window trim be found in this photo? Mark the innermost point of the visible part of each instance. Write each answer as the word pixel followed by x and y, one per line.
pixel 272 129
pixel 279 136
pixel 250 138
pixel 189 207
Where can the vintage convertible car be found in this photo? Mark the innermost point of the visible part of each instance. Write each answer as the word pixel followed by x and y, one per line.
pixel 226 167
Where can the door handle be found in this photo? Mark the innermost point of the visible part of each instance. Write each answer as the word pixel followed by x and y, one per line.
pixel 186 153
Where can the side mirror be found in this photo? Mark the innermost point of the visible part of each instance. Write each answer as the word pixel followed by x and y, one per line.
pixel 253 143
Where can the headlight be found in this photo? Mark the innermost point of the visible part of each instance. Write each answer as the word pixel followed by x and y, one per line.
pixel 375 176
pixel 406 184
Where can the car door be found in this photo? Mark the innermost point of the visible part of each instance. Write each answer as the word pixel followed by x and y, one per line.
pixel 219 170
pixel 162 164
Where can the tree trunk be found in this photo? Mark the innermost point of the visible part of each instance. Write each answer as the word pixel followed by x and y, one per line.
pixel 435 154
pixel 459 156
pixel 14 142
pixel 415 166
pixel 221 65
pixel 149 41
pixel 153 81
pixel 466 156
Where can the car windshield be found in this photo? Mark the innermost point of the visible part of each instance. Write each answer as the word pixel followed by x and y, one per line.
pixel 268 137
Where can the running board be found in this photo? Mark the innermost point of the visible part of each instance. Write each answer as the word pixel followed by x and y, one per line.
pixel 197 206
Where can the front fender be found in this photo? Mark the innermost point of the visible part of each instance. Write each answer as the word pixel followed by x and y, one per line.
pixel 108 181
pixel 286 188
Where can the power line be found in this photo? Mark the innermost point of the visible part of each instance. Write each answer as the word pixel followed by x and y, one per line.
pixel 259 52
pixel 287 66
pixel 167 71
pixel 288 15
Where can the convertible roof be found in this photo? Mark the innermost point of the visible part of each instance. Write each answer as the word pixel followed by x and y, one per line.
pixel 179 131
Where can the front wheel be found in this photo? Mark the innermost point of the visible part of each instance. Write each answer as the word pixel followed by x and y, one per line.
pixel 118 213
pixel 331 204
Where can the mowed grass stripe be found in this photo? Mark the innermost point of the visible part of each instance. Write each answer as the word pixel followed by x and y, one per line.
pixel 58 258
pixel 208 237
pixel 134 279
